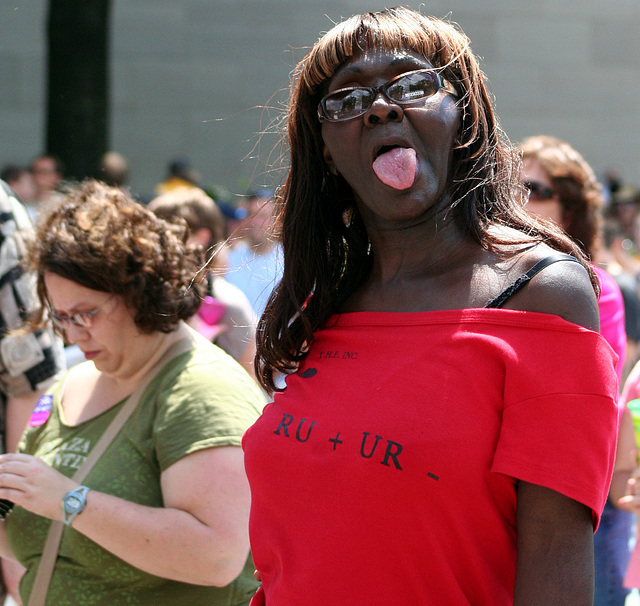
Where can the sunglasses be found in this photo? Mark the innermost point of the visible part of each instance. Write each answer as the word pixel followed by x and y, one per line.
pixel 405 89
pixel 80 319
pixel 538 191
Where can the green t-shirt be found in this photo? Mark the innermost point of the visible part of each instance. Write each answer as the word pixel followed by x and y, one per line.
pixel 200 399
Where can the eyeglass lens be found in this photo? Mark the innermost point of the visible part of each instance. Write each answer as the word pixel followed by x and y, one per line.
pixel 413 86
pixel 538 191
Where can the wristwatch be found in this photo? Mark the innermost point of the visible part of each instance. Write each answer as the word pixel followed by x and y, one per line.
pixel 73 503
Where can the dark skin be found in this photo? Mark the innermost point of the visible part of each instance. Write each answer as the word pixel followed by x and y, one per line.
pixel 423 262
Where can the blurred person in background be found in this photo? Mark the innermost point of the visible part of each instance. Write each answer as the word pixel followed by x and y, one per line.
pixel 611 183
pixel 624 207
pixel 563 188
pixel 234 215
pixel 29 364
pixel 114 169
pixel 47 172
pixel 19 179
pixel 254 262
pixel 225 317
pixel 625 492
pixel 616 261
pixel 180 173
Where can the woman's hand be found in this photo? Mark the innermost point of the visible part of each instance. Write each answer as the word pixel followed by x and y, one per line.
pixel 34 485
pixel 625 465
pixel 631 500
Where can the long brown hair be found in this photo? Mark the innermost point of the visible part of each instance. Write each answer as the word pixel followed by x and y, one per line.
pixel 325 244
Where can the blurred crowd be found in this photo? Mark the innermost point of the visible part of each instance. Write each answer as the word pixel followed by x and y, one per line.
pixel 619 251
pixel 236 231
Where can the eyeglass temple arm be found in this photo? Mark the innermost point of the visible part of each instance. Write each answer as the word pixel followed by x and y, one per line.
pixel 450 88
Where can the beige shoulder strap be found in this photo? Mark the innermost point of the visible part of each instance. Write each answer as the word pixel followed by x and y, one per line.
pixel 38 595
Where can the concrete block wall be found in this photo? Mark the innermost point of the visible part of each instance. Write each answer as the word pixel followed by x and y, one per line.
pixel 208 79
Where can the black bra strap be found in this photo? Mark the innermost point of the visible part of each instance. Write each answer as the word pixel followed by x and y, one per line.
pixel 508 292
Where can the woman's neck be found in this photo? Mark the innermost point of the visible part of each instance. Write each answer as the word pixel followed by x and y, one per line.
pixel 420 251
pixel 144 355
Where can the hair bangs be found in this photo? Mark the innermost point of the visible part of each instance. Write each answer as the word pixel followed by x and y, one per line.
pixel 392 30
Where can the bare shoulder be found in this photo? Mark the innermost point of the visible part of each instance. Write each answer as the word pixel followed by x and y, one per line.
pixel 563 288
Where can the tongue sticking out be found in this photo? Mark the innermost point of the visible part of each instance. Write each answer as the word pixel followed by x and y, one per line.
pixel 397 167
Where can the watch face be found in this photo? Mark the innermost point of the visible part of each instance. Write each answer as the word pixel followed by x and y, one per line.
pixel 72 502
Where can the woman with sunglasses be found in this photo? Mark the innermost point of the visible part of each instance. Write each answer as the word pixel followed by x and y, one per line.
pixel 563 188
pixel 435 340
pixel 162 516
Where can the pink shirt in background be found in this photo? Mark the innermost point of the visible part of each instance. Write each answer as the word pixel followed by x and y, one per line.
pixel 611 307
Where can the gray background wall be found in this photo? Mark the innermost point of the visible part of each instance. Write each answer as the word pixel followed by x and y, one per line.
pixel 208 79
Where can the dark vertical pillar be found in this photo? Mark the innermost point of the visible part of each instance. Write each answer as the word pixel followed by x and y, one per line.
pixel 77 108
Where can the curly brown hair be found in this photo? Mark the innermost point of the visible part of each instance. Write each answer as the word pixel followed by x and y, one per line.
pixel 329 257
pixel 102 239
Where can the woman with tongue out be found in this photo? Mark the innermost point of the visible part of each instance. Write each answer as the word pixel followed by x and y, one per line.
pixel 437 343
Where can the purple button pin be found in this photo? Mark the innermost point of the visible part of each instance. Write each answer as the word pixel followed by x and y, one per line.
pixel 41 412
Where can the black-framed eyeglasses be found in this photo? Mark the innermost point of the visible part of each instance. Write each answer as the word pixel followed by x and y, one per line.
pixel 538 192
pixel 405 89
pixel 80 319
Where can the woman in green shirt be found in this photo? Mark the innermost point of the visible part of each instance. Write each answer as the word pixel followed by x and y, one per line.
pixel 162 518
